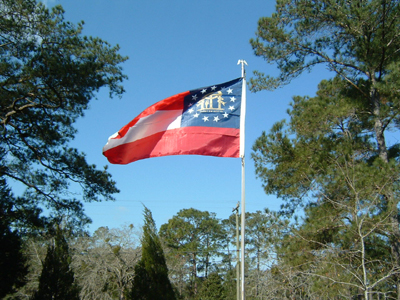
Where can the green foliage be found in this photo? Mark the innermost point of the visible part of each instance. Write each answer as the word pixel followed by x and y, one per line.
pixel 350 37
pixel 333 158
pixel 229 284
pixel 263 234
pixel 325 160
pixel 49 72
pixel 212 288
pixel 13 267
pixel 57 278
pixel 195 236
pixel 151 273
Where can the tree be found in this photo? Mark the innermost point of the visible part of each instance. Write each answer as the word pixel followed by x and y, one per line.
pixel 358 40
pixel 196 236
pixel 151 273
pixel 35 249
pixel 57 279
pixel 212 288
pixel 229 284
pixel 262 235
pixel 177 269
pixel 13 267
pixel 231 257
pixel 325 160
pixel 344 127
pixel 104 263
pixel 48 74
pixel 263 231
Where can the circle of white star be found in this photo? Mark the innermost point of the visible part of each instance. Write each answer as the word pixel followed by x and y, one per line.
pixel 216 119
pixel 205 119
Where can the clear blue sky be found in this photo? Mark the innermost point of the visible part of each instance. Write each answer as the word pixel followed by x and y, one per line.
pixel 174 46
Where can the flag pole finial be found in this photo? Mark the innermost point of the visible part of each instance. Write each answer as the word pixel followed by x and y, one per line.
pixel 243 62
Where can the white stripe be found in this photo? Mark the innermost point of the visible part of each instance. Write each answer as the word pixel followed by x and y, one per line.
pixel 242 117
pixel 160 121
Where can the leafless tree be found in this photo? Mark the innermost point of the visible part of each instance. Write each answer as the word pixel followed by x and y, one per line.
pixel 104 263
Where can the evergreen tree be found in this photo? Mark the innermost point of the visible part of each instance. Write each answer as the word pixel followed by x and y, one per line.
pixel 12 261
pixel 325 160
pixel 197 236
pixel 57 278
pixel 229 284
pixel 151 273
pixel 49 72
pixel 333 157
pixel 212 288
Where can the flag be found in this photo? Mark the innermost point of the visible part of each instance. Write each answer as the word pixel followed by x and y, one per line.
pixel 204 121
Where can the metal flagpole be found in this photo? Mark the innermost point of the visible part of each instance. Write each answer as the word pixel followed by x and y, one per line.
pixel 242 140
pixel 236 210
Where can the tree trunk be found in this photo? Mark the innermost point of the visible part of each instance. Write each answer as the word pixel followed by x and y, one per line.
pixel 378 126
pixel 194 274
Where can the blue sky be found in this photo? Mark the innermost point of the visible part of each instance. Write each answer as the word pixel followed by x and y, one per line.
pixel 175 46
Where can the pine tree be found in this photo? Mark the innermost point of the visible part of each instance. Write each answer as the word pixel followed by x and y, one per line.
pixel 151 273
pixel 334 156
pixel 326 160
pixel 12 261
pixel 212 288
pixel 49 72
pixel 195 236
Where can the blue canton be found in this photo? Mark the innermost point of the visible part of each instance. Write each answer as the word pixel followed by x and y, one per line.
pixel 214 106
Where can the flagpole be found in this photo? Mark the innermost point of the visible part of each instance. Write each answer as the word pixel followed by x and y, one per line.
pixel 242 140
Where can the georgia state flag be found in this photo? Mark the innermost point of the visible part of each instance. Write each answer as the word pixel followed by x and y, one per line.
pixel 204 121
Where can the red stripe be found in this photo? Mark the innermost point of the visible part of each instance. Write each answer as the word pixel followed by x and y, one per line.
pixel 212 141
pixel 171 103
